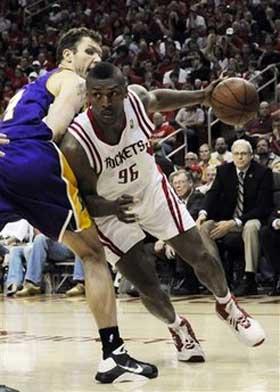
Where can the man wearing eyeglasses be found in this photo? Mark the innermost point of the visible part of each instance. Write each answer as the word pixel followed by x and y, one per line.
pixel 239 200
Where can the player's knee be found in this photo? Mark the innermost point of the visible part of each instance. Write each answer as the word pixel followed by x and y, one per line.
pixel 151 291
pixel 93 253
pixel 201 257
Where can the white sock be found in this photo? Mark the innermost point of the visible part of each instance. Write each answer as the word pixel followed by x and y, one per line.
pixel 176 323
pixel 224 300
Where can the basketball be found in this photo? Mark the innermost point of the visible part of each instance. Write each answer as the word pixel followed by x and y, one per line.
pixel 235 101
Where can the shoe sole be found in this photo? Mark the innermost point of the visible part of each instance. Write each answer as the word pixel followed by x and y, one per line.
pixel 193 359
pixel 259 343
pixel 125 377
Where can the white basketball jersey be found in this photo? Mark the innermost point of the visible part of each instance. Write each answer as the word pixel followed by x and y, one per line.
pixel 127 167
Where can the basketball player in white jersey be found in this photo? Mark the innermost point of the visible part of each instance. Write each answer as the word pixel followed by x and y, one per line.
pixel 37 183
pixel 108 148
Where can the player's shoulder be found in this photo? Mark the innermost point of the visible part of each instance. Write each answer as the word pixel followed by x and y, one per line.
pixel 140 91
pixel 82 118
pixel 137 89
pixel 66 79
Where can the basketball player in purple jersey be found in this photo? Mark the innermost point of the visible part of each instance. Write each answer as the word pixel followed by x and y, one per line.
pixel 108 147
pixel 36 183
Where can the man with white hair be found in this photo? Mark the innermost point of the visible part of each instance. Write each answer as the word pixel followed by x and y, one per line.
pixel 238 201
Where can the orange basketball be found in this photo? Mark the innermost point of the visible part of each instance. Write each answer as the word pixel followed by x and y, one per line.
pixel 235 101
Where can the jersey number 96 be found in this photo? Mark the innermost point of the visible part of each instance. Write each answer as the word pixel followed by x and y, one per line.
pixel 128 174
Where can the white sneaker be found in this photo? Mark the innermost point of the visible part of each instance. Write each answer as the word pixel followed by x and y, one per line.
pixel 120 367
pixel 187 346
pixel 247 329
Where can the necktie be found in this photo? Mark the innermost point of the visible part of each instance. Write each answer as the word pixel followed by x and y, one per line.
pixel 240 196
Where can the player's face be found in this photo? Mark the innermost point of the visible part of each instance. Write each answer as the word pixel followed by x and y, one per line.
pixel 87 55
pixel 107 100
pixel 241 157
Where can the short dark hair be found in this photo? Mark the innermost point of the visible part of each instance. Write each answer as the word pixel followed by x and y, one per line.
pixel 105 70
pixel 72 37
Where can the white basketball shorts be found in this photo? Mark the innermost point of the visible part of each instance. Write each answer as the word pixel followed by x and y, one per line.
pixel 160 212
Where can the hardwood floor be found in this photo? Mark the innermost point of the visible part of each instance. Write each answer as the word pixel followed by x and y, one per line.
pixel 50 344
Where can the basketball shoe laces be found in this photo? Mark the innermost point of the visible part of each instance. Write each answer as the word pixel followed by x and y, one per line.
pixel 184 336
pixel 237 316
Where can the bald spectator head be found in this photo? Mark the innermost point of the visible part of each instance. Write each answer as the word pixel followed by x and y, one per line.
pixel 264 109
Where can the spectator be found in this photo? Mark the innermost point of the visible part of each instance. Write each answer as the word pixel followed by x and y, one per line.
pixel 17 259
pixel 17 233
pixel 270 241
pixel 261 126
pixel 205 160
pixel 191 120
pixel 18 236
pixel 43 249
pixel 181 76
pixel 275 137
pixel 210 177
pixel 276 167
pixel 185 280
pixel 235 206
pixel 221 153
pixel 79 279
pixel 190 159
pixel 264 155
pixel 162 129
pixel 194 20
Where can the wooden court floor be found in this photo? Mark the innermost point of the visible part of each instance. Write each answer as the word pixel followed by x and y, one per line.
pixel 49 344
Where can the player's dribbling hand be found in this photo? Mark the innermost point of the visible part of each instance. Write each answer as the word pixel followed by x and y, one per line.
pixel 209 90
pixel 124 206
pixel 3 140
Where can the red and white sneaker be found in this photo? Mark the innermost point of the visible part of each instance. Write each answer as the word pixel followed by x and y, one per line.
pixel 247 329
pixel 187 345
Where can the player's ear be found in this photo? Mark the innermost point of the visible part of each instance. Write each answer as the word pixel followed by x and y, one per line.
pixel 67 55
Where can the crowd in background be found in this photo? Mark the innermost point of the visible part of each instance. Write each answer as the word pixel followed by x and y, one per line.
pixel 177 45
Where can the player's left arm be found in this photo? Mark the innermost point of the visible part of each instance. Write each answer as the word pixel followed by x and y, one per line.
pixel 87 179
pixel 167 100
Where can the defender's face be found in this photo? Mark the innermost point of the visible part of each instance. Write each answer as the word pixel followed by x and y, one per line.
pixel 87 55
pixel 241 157
pixel 107 100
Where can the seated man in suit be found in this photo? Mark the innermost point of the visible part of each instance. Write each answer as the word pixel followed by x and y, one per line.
pixel 270 241
pixel 270 236
pixel 238 201
pixel 183 183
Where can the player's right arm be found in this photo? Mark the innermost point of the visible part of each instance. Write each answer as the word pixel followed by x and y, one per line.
pixel 87 184
pixel 70 93
pixel 167 99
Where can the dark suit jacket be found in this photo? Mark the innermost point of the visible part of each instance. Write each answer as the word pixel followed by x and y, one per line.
pixel 221 199
pixel 195 203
